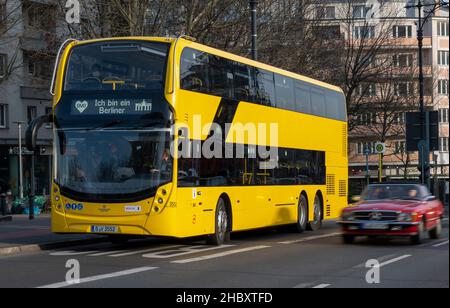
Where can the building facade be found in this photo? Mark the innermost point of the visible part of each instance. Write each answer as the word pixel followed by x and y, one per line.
pixel 28 42
pixel 385 98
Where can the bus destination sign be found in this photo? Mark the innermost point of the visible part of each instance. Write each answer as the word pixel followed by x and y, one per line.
pixel 111 106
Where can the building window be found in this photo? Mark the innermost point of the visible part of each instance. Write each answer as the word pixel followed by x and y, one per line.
pixel 367 90
pixel 39 66
pixel 402 31
pixel 326 12
pixel 3 116
pixel 442 28
pixel 2 65
pixel 31 113
pixel 443 144
pixel 367 119
pixel 443 57
pixel 40 16
pixel 443 115
pixel 405 60
pixel 364 32
pixel 362 147
pixel 399 147
pixel 399 118
pixel 403 89
pixel 360 11
pixel 327 32
pixel 443 86
pixel 410 11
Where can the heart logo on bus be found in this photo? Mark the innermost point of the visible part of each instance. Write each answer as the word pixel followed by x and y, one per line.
pixel 81 106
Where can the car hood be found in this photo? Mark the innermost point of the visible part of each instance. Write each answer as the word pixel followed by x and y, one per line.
pixel 387 205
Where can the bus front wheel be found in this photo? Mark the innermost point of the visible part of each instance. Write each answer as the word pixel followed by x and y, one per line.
pixel 302 218
pixel 221 233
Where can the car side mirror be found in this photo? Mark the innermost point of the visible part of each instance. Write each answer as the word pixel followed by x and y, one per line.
pixel 33 129
pixel 356 198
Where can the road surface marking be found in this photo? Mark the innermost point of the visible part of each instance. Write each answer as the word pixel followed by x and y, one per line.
pixel 72 253
pixel 131 252
pixel 322 286
pixel 394 260
pixel 104 253
pixel 441 244
pixel 165 254
pixel 221 254
pixel 380 259
pixel 99 277
pixel 311 238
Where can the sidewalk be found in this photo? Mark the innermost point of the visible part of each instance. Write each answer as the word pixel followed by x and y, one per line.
pixel 21 234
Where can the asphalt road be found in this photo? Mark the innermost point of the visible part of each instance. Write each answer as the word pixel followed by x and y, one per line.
pixel 258 259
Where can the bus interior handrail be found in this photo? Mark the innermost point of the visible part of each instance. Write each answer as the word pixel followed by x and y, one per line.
pixel 55 69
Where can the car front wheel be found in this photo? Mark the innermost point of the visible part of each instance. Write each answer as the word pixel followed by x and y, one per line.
pixel 436 232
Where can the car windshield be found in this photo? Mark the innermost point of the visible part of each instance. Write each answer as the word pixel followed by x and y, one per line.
pixel 102 164
pixel 393 192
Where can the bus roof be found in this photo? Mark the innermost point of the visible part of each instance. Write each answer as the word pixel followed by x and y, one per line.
pixel 201 47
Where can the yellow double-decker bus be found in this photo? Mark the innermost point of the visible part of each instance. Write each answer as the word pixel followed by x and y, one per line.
pixel 131 117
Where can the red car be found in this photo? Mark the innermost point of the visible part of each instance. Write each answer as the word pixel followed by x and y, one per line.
pixel 393 210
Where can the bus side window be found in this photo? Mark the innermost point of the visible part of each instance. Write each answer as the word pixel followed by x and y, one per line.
pixel 318 102
pixel 241 82
pixel 332 106
pixel 221 76
pixel 284 88
pixel 265 87
pixel 303 97
pixel 194 71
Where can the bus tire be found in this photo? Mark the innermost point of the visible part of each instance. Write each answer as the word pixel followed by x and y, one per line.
pixel 302 215
pixel 221 233
pixel 316 223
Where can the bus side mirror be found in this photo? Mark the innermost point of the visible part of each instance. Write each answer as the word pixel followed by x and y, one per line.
pixel 33 129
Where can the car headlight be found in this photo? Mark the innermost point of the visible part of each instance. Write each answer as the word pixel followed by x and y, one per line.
pixel 347 216
pixel 405 217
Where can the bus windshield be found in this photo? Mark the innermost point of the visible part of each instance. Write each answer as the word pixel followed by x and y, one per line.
pixel 99 164
pixel 117 65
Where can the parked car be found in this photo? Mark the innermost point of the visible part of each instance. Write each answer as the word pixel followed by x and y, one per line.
pixel 393 210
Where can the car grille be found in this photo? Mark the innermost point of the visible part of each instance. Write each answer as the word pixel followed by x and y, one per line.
pixel 376 215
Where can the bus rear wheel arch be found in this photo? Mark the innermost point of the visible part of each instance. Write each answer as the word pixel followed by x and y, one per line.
pixel 317 209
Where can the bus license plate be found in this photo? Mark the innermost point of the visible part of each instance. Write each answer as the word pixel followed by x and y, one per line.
pixel 104 229
pixel 375 226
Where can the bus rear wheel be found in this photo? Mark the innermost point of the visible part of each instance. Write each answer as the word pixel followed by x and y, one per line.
pixel 316 223
pixel 221 233
pixel 302 218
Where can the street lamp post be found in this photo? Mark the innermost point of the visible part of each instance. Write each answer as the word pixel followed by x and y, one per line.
pixel 253 4
pixel 20 123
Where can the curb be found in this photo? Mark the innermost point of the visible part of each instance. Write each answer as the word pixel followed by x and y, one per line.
pixel 5 218
pixel 23 249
